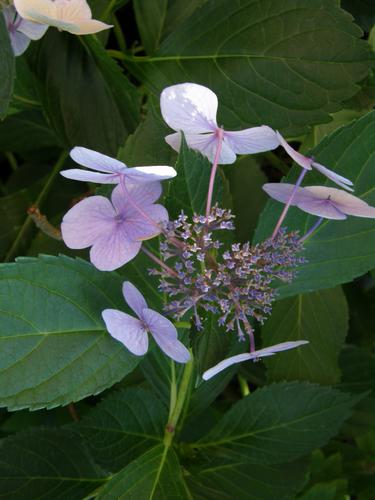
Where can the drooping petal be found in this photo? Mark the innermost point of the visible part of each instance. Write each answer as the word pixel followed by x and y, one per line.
pixel 165 335
pixel 252 140
pixel 189 107
pixel 32 30
pixel 134 298
pixel 338 179
pixel 299 158
pixel 127 330
pixel 97 161
pixel 19 42
pixel 89 220
pixel 283 346
pixel 345 202
pixel 113 250
pixel 282 192
pixel 77 174
pixel 239 358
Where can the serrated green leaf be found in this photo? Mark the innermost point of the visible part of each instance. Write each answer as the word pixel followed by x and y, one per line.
pixel 156 475
pixel 245 482
pixel 270 61
pixel 322 319
pixel 47 463
pixel 7 68
pixel 150 16
pixel 54 345
pixel 123 426
pixel 278 423
pixel 339 250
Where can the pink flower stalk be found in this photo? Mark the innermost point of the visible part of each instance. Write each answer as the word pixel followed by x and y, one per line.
pixel 192 109
pixel 21 31
pixel 326 202
pixel 111 171
pixel 132 332
pixel 253 356
pixel 308 163
pixel 115 231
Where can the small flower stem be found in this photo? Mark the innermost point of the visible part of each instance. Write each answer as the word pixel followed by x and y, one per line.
pixel 244 386
pixel 312 229
pixel 176 411
pixel 160 262
pixel 220 136
pixel 288 203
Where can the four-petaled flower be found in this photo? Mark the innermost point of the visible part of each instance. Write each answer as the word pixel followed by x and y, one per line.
pixel 115 231
pixel 111 171
pixel 132 332
pixel 192 109
pixel 326 202
pixel 21 31
pixel 73 16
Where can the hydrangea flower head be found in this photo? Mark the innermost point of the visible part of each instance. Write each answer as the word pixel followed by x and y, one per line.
pixel 254 356
pixel 326 202
pixel 309 163
pixel 110 171
pixel 21 31
pixel 191 108
pixel 115 231
pixel 73 16
pixel 132 332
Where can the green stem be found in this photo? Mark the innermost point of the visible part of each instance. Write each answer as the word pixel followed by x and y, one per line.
pixel 182 324
pixel 11 160
pixel 119 34
pixel 12 253
pixel 176 411
pixel 244 386
pixel 108 9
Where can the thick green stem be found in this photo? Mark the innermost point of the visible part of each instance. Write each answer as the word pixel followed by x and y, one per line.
pixel 13 251
pixel 244 386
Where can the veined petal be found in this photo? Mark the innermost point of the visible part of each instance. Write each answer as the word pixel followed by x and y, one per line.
pixel 97 161
pixel 338 179
pixel 113 250
pixel 141 195
pixel 283 346
pixel 140 228
pixel 252 140
pixel 77 174
pixel 89 220
pixel 165 335
pixel 32 30
pixel 127 330
pixel 282 192
pixel 35 10
pixel 19 42
pixel 189 107
pixel 322 208
pixel 150 174
pixel 73 9
pixel 299 158
pixel 83 27
pixel 239 358
pixel 134 298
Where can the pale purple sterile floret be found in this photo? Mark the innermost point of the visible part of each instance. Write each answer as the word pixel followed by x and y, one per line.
pixel 254 356
pixel 191 108
pixel 326 202
pixel 133 332
pixel 115 231
pixel 309 163
pixel 21 31
pixel 111 171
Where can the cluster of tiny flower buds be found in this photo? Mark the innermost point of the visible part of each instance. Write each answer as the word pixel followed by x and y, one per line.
pixel 234 283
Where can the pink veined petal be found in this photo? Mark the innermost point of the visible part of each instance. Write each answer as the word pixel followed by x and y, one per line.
pixel 97 161
pixel 113 250
pixel 19 43
pixel 134 298
pixel 34 31
pixel 150 174
pixel 338 179
pixel 322 208
pixel 165 335
pixel 89 220
pixel 299 158
pixel 345 202
pixel 189 107
pixel 282 192
pixel 139 228
pixel 252 140
pixel 141 194
pixel 127 330
pixel 77 174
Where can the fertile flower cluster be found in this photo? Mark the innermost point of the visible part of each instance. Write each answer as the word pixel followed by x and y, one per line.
pixel 234 283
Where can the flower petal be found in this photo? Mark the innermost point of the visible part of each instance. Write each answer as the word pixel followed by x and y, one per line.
pixel 142 194
pixel 338 179
pixel 77 174
pixel 282 192
pixel 113 250
pixel 284 346
pixel 19 42
pixel 127 330
pixel 322 208
pixel 97 161
pixel 252 140
pixel 141 228
pixel 87 221
pixel 165 335
pixel 35 10
pixel 345 202
pixel 239 358
pixel 134 298
pixel 32 30
pixel 88 27
pixel 189 107
pixel 150 174
pixel 299 158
